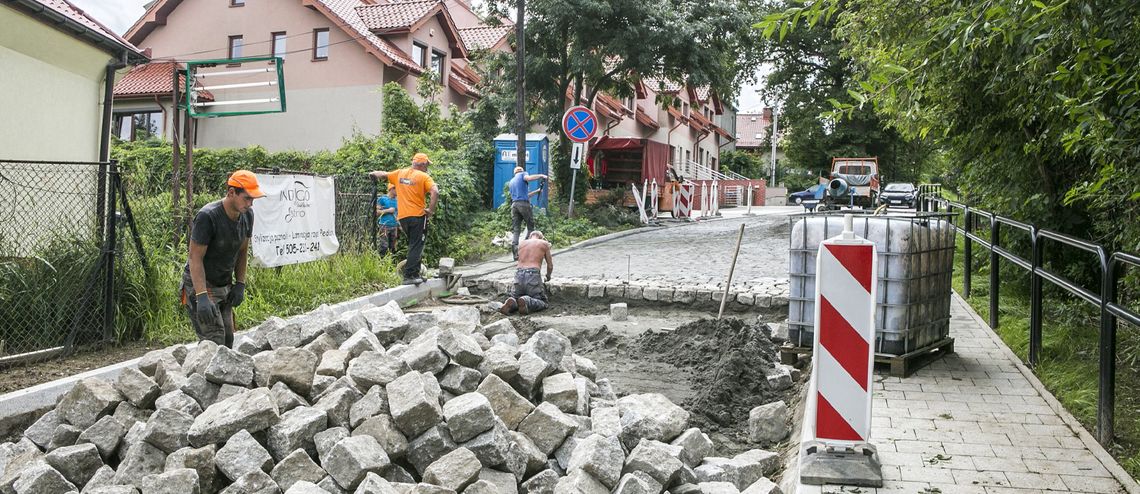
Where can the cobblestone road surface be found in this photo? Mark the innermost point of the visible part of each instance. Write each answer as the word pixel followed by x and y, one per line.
pixel 695 254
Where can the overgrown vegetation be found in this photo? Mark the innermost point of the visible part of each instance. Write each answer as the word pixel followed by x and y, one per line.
pixel 810 73
pixel 1032 102
pixel 1030 110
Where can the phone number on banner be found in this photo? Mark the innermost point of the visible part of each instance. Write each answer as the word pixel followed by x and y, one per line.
pixel 297 248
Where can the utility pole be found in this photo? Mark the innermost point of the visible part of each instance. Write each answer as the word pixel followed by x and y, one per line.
pixel 520 81
pixel 775 122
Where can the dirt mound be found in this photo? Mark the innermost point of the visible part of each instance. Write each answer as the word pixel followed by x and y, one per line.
pixel 729 361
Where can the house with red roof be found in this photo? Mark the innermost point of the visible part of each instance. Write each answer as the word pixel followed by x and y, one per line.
pixel 660 124
pixel 58 65
pixel 337 54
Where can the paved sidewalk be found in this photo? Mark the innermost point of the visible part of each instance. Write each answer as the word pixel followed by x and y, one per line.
pixel 973 422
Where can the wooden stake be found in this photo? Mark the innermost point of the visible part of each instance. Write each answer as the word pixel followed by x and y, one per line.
pixel 728 284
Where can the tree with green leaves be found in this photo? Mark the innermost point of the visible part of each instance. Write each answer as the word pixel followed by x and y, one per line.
pixel 582 47
pixel 810 72
pixel 1035 99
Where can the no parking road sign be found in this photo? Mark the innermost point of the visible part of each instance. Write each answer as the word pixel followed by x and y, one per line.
pixel 579 123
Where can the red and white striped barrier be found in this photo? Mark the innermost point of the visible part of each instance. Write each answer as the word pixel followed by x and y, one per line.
pixel 846 282
pixel 683 201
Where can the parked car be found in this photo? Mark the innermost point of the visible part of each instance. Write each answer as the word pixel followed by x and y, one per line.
pixel 899 194
pixel 813 193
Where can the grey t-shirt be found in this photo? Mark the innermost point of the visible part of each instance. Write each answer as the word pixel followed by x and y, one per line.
pixel 223 239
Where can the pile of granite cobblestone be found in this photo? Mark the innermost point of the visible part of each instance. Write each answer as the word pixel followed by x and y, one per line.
pixel 372 401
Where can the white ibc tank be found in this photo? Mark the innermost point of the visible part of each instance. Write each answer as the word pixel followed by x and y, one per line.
pixel 916 262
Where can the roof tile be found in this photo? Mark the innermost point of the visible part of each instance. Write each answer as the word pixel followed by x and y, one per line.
pixel 396 15
pixel 147 79
pixel 483 37
pixel 345 11
pixel 152 79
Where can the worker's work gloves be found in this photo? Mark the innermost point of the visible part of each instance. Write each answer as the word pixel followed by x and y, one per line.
pixel 237 294
pixel 207 310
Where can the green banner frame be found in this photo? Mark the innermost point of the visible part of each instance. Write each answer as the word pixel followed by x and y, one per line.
pixel 192 67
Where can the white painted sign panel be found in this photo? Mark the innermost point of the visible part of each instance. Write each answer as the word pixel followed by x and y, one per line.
pixel 295 221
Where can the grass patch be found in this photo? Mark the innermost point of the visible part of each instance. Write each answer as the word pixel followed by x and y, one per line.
pixel 475 244
pixel 1069 357
pixel 154 312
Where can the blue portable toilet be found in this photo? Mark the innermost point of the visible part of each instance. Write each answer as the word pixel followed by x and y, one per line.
pixel 537 162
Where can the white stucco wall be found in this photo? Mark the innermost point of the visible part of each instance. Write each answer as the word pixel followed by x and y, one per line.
pixel 51 89
pixel 315 119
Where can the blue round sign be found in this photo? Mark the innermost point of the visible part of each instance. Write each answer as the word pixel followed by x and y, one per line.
pixel 580 124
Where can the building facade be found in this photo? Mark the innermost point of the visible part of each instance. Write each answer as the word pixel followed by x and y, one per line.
pixel 55 61
pixel 337 55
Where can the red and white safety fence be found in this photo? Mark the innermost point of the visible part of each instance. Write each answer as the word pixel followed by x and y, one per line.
pixel 710 199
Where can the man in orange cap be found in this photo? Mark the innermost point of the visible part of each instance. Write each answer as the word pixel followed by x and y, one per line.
pixel 213 282
pixel 412 184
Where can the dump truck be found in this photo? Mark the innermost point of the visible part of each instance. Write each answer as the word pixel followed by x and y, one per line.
pixel 852 182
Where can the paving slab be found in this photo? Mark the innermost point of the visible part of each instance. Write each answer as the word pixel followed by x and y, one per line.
pixel 1012 437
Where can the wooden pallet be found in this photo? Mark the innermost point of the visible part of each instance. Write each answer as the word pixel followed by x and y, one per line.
pixel 900 365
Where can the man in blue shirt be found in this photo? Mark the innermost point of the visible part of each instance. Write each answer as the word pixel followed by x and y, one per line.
pixel 386 219
pixel 519 187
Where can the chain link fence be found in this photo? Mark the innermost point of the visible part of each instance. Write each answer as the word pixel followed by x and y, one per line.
pixel 65 269
pixel 354 214
pixel 53 257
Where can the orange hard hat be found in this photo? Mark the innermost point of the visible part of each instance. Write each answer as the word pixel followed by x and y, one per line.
pixel 420 159
pixel 245 179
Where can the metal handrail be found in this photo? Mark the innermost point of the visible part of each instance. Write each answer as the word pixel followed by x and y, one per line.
pixel 697 171
pixel 1114 308
pixel 1105 300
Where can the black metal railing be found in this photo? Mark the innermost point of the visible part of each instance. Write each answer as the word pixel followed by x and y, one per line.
pixel 1104 297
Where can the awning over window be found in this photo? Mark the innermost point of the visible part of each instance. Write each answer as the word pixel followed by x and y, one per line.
pixel 654 156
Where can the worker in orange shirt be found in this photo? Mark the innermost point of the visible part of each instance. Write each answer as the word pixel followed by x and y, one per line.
pixel 412 185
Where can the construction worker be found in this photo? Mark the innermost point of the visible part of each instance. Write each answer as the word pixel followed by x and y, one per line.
pixel 412 184
pixel 528 294
pixel 386 209
pixel 519 185
pixel 213 282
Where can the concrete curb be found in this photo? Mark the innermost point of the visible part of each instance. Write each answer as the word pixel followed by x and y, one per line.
pixel 1126 481
pixel 642 293
pixel 20 407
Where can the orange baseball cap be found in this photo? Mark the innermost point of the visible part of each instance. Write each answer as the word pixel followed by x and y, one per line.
pixel 420 159
pixel 245 179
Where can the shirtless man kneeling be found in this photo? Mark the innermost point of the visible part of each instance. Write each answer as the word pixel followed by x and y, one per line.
pixel 528 293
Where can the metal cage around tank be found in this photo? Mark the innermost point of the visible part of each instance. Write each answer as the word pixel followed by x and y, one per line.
pixel 916 262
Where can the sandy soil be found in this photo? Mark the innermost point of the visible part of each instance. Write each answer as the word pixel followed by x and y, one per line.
pixel 716 371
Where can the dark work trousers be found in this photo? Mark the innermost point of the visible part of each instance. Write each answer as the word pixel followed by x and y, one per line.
pixel 528 289
pixel 415 227
pixel 218 331
pixel 387 239
pixel 521 211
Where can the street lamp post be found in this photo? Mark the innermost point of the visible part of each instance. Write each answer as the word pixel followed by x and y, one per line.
pixel 775 122
pixel 520 78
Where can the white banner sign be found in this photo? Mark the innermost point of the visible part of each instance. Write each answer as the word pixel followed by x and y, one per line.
pixel 294 222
